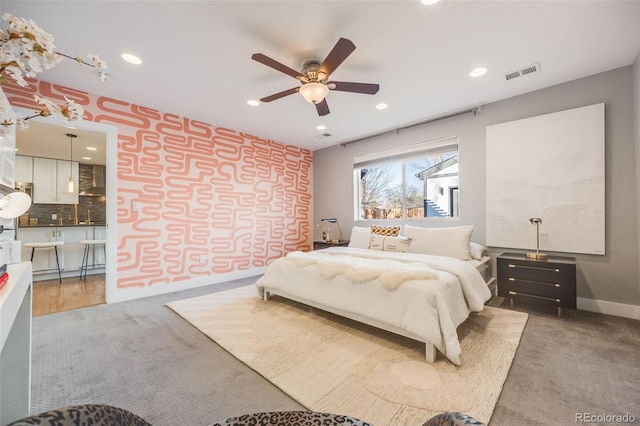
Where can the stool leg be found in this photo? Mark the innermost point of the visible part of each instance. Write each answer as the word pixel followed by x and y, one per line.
pixel 33 249
pixel 55 248
pixel 85 261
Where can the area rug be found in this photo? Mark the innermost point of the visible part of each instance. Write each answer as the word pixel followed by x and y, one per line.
pixel 331 364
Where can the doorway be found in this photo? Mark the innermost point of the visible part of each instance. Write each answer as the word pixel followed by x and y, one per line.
pixel 93 213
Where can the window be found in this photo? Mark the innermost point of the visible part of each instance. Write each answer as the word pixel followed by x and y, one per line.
pixel 412 182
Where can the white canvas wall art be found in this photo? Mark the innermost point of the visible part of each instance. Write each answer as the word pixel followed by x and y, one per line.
pixel 552 167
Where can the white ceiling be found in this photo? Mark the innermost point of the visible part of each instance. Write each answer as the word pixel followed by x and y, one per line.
pixel 42 139
pixel 197 56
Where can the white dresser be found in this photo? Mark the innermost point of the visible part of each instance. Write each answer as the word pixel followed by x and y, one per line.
pixel 15 344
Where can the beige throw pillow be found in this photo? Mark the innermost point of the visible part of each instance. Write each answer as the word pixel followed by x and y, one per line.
pixel 396 244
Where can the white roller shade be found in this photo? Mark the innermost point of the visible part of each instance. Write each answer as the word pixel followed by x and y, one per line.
pixel 409 152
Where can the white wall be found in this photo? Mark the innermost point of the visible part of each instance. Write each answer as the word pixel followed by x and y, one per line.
pixel 609 280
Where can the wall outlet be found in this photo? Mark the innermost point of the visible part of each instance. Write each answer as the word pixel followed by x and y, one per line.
pixel 203 259
pixel 54 216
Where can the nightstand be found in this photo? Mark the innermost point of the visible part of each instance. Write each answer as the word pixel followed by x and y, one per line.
pixel 319 245
pixel 552 280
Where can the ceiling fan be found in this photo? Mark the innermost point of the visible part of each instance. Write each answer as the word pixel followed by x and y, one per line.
pixel 314 77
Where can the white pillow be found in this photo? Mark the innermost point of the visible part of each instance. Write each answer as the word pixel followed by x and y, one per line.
pixel 453 241
pixel 383 242
pixel 477 250
pixel 360 236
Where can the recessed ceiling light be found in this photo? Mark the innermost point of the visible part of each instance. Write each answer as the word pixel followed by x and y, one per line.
pixel 253 102
pixel 132 59
pixel 321 127
pixel 381 106
pixel 478 72
pixel 86 158
pixel 429 2
pixel 90 148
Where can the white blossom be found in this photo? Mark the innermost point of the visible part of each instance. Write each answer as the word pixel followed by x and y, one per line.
pixel 25 49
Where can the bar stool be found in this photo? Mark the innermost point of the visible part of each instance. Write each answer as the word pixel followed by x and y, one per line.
pixel 47 245
pixel 85 257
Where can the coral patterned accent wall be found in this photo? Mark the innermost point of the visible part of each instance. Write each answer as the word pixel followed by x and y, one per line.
pixel 238 200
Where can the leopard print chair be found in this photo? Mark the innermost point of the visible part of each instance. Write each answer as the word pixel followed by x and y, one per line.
pixel 288 418
pixel 311 418
pixel 80 415
pixel 452 419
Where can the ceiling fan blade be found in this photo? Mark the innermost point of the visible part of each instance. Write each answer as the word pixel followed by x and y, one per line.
pixel 345 86
pixel 322 108
pixel 280 95
pixel 259 57
pixel 338 54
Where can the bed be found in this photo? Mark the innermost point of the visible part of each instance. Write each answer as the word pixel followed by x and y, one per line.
pixel 413 293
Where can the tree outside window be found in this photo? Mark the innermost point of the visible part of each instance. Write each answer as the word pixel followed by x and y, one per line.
pixel 415 188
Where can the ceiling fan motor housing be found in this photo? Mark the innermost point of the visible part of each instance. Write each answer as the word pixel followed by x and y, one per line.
pixel 310 71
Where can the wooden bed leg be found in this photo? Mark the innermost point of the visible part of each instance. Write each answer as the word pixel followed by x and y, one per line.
pixel 265 295
pixel 430 351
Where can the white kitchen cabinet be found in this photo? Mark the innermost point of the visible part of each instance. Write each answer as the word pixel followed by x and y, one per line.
pixel 23 171
pixel 51 181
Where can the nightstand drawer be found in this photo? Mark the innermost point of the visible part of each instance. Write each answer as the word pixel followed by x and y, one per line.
pixel 537 271
pixel 539 288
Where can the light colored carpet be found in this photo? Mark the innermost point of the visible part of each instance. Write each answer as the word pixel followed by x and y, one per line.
pixel 335 365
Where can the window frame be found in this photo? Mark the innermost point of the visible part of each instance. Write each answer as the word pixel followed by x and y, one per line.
pixel 404 155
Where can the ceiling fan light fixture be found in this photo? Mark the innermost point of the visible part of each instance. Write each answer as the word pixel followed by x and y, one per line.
pixel 314 92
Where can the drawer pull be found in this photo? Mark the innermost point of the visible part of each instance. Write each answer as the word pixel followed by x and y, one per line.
pixel 553 299
pixel 557 285
pixel 511 265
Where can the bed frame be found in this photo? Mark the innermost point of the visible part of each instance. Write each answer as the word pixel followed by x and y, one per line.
pixel 430 349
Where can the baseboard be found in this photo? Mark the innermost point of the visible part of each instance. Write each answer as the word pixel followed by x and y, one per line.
pixel 609 308
pixel 124 294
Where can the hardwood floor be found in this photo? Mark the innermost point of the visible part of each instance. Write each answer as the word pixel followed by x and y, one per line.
pixel 52 296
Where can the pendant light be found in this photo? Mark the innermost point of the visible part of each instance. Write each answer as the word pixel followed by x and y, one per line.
pixel 71 183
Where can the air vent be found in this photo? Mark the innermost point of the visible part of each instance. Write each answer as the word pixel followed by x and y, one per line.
pixel 522 72
pixel 513 74
pixel 323 135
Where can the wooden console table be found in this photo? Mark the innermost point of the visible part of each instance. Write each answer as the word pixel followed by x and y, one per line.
pixel 15 344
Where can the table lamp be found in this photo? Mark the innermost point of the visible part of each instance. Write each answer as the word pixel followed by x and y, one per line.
pixel 13 205
pixel 537 255
pixel 333 220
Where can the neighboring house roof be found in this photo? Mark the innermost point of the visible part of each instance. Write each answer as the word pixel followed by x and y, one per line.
pixel 435 169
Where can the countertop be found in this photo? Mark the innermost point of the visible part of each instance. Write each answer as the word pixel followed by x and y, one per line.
pixel 66 225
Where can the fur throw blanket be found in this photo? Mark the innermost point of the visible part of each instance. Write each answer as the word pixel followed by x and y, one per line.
pixel 391 273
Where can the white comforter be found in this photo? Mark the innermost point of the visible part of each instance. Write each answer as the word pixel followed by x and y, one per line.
pixel 427 296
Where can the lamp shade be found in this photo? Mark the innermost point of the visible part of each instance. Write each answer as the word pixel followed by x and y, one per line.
pixel 314 92
pixel 14 204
